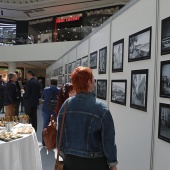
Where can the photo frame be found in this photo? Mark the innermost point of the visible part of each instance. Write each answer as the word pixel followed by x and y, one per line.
pixel 118 91
pixel 164 122
pixel 102 60
pixel 69 68
pixel 165 79
pixel 102 89
pixel 140 45
pixel 117 56
pixel 66 68
pixel 85 61
pixel 95 88
pixel 139 89
pixel 165 39
pixel 79 62
pixel 93 60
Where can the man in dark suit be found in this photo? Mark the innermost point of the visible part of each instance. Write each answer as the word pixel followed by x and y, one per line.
pixel 2 86
pixel 11 96
pixel 31 98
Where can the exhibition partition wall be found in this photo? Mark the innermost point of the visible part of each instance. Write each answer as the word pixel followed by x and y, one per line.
pixel 125 55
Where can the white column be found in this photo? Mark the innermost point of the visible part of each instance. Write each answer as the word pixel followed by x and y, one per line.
pixel 11 67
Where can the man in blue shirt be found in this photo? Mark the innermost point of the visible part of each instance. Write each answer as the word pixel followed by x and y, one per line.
pixel 46 112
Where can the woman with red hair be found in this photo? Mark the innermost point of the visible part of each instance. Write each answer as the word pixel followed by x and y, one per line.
pixel 88 141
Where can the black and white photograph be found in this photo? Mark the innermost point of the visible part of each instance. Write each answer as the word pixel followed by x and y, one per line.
pixel 65 78
pixel 69 79
pixel 93 60
pixel 69 68
pixel 118 91
pixel 140 45
pixel 60 70
pixel 79 62
pixel 66 68
pixel 165 36
pixel 117 56
pixel 73 65
pixel 102 60
pixel 95 88
pixel 165 79
pixel 102 89
pixel 56 72
pixel 85 61
pixel 139 89
pixel 164 122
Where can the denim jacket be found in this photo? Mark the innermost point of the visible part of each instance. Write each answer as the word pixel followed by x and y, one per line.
pixel 88 129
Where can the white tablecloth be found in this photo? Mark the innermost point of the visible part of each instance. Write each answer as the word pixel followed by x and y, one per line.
pixel 21 154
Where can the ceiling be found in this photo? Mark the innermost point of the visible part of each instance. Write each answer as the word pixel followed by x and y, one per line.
pixel 33 9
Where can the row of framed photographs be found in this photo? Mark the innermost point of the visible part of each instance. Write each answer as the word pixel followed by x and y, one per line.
pixel 139 89
pixel 139 49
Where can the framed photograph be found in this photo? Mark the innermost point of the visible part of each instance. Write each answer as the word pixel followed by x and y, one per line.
pixel 66 68
pixel 117 56
pixel 102 89
pixel 139 89
pixel 165 79
pixel 165 38
pixel 118 91
pixel 65 78
pixel 69 79
pixel 95 88
pixel 140 45
pixel 93 60
pixel 69 68
pixel 85 61
pixel 79 62
pixel 102 60
pixel 164 122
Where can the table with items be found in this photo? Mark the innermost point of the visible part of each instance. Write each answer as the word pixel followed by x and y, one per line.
pixel 19 149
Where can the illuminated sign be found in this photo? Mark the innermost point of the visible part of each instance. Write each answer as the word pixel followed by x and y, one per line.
pixel 67 19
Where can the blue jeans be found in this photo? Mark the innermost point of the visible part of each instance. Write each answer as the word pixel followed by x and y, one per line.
pixel 46 120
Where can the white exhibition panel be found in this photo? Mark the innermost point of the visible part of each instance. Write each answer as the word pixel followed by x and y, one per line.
pixel 161 155
pixel 134 127
pixel 83 49
pixel 72 55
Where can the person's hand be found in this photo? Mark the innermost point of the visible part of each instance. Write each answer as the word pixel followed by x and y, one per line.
pixel 113 168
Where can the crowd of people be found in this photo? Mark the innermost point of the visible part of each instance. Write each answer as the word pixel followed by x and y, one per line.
pixel 88 140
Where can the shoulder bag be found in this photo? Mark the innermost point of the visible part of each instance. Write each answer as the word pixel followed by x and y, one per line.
pixel 50 133
pixel 59 165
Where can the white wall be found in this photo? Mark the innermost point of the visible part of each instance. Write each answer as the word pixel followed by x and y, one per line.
pixel 136 131
pixel 35 52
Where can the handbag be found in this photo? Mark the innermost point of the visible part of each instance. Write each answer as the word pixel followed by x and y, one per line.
pixel 50 133
pixel 59 165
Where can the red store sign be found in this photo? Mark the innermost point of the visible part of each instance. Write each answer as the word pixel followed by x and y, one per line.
pixel 67 19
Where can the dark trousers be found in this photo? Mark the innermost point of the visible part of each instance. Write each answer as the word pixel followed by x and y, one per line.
pixel 72 162
pixel 17 109
pixel 32 113
pixel 1 105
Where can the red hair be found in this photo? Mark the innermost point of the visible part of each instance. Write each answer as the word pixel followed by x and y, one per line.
pixel 63 95
pixel 80 77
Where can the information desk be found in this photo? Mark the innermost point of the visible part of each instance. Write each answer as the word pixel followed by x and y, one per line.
pixel 21 154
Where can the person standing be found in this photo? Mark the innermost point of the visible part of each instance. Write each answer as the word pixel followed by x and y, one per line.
pixel 19 93
pixel 88 140
pixel 47 112
pixel 31 97
pixel 2 86
pixel 11 96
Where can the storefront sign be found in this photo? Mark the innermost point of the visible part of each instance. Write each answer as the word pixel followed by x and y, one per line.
pixel 67 19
